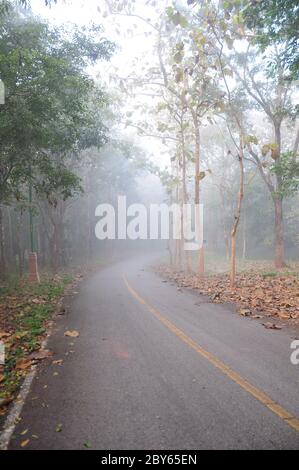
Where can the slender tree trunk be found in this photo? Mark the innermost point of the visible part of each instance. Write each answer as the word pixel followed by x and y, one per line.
pixel 170 243
pixel 89 220
pixel 279 254
pixel 237 217
pixel 185 198
pixel 279 234
pixel 244 238
pixel 178 244
pixel 9 238
pixel 2 246
pixel 201 259
pixel 169 247
pixel 19 248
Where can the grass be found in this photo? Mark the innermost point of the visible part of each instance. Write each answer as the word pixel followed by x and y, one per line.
pixel 25 310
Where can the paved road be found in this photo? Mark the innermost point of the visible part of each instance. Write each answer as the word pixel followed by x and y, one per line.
pixel 150 371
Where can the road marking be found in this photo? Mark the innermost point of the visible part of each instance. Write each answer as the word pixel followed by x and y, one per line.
pixel 14 415
pixel 259 395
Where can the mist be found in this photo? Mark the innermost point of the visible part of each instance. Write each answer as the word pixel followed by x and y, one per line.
pixel 149 172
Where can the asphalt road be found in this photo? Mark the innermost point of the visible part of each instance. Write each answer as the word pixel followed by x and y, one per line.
pixel 159 368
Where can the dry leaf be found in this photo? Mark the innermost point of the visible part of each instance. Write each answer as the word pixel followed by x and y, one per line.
pixel 72 334
pixel 272 326
pixel 284 316
pixel 245 312
pixel 59 362
pixel 6 401
pixel 23 364
pixel 4 335
pixel 40 355
pixel 25 443
pixel 38 301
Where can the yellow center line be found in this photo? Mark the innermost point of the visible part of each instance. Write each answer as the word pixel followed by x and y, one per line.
pixel 259 395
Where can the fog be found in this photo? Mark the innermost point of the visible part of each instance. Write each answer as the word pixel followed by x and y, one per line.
pixel 149 227
pixel 193 112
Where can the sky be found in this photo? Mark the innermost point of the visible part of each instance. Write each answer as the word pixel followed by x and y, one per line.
pixel 132 47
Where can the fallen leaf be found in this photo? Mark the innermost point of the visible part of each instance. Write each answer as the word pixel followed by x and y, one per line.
pixel 37 301
pixel 4 335
pixel 24 432
pixel 245 312
pixel 59 362
pixel 40 355
pixel 25 443
pixel 272 326
pixel 284 316
pixel 72 334
pixel 58 428
pixel 87 445
pixel 23 364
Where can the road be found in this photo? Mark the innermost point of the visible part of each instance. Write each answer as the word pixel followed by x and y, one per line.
pixel 156 367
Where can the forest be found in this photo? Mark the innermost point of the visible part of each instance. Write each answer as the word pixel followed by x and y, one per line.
pixel 170 102
pixel 218 92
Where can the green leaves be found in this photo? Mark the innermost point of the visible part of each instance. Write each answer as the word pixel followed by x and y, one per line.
pixel 250 139
pixel 271 147
pixel 179 76
pixel 287 169
pixel 52 107
pixel 178 57
pixel 276 22
pixel 176 17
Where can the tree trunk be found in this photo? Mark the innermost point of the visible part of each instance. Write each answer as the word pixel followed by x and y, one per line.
pixel 279 260
pixel 19 247
pixel 185 198
pixel 201 265
pixel 237 217
pixel 2 246
pixel 244 238
pixel 279 234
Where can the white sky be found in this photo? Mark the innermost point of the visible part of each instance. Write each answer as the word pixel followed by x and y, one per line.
pixel 128 48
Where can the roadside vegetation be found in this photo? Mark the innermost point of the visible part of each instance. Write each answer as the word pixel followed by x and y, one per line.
pixel 25 312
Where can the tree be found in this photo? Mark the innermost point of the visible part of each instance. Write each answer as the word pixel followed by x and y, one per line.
pixel 267 90
pixel 52 107
pixel 47 99
pixel 276 22
pixel 272 97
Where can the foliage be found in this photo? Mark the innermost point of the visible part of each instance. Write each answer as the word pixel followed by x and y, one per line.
pixel 276 22
pixel 48 111
pixel 287 170
pixel 24 311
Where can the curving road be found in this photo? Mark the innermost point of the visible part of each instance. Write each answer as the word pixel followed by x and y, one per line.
pixel 155 367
